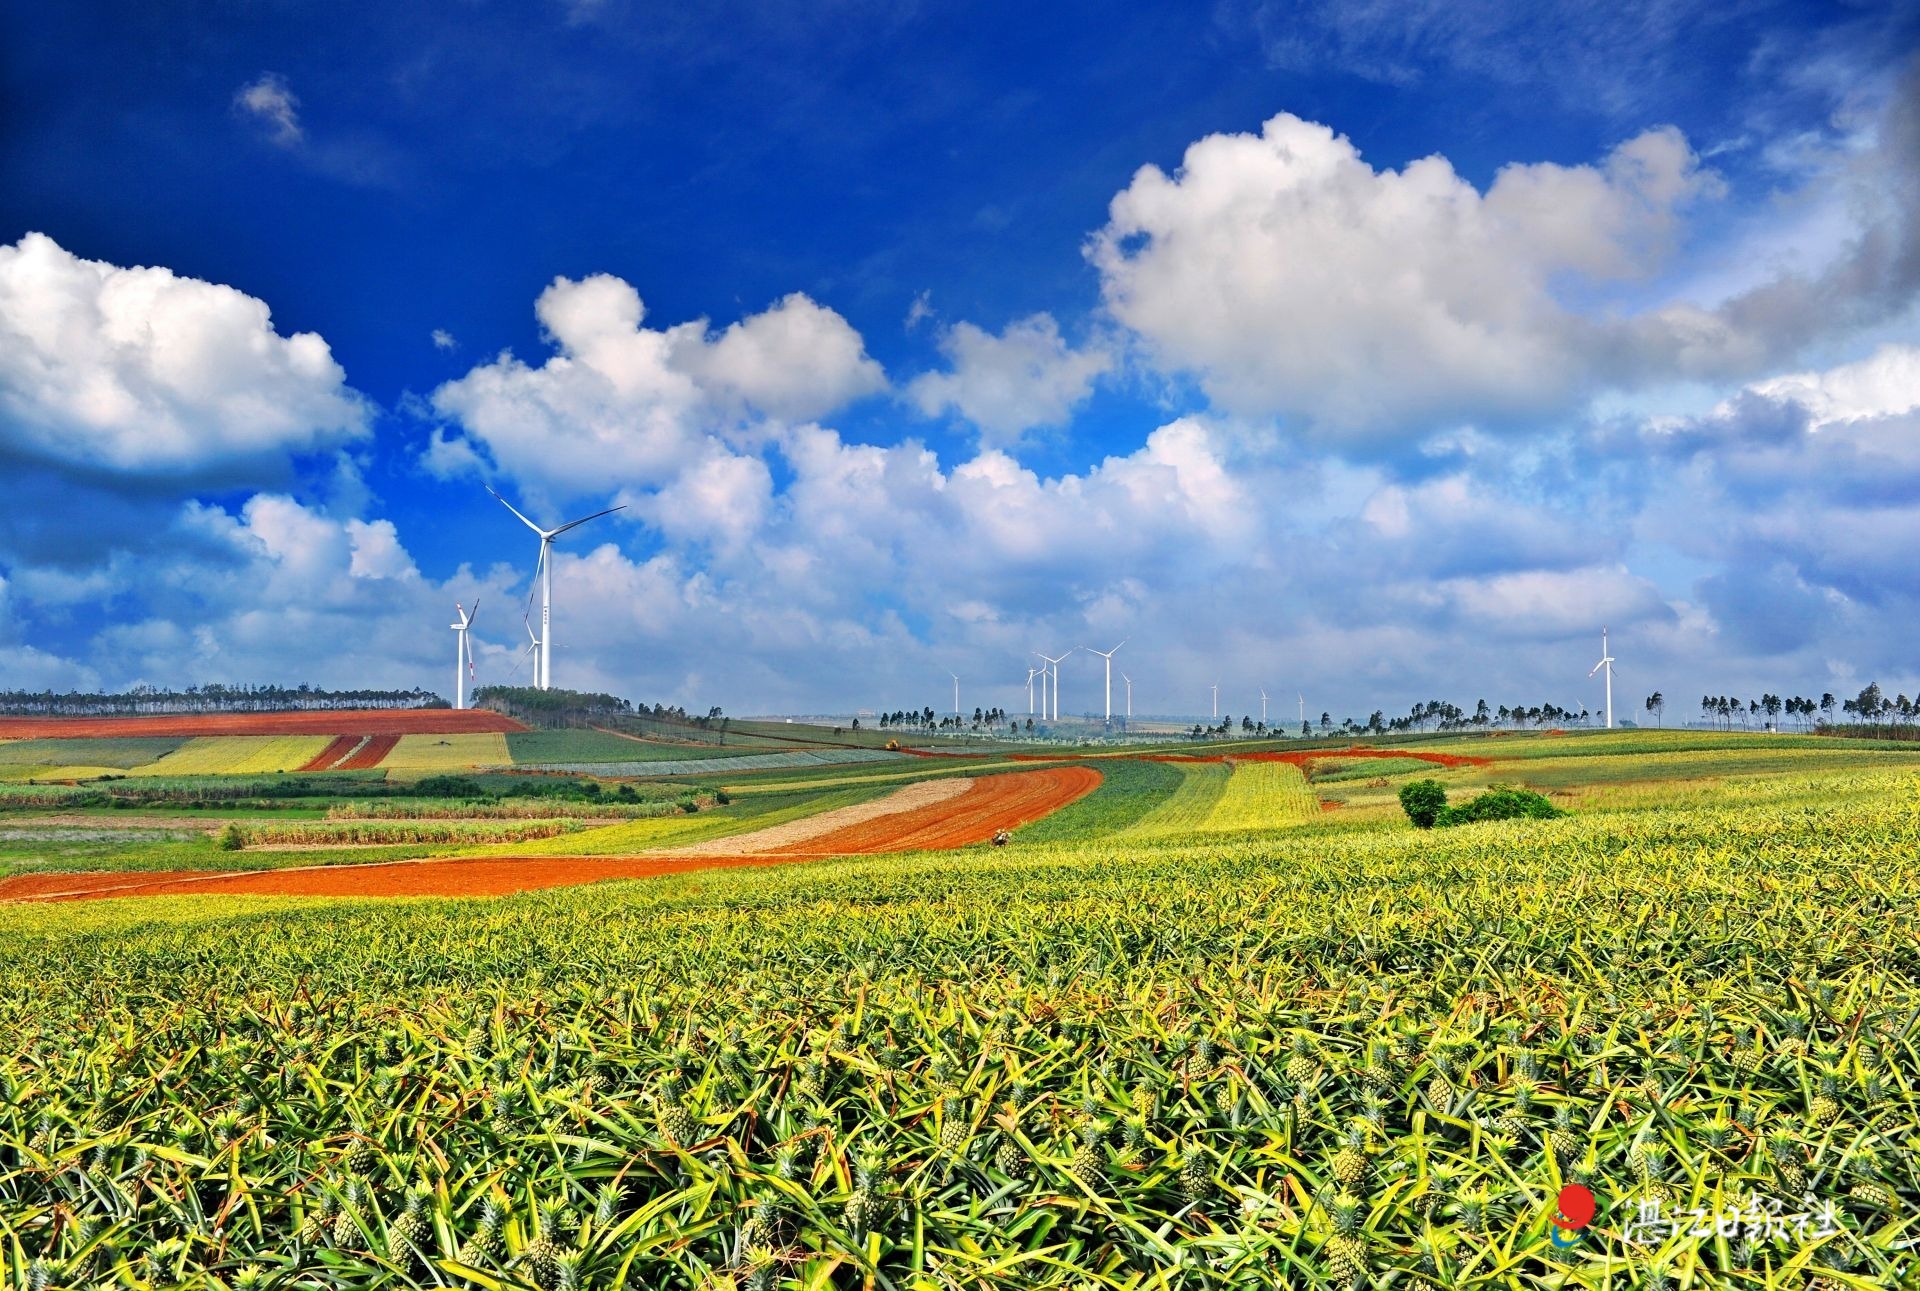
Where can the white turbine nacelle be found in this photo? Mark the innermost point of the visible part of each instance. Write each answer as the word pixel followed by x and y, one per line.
pixel 543 571
pixel 462 653
pixel 1606 661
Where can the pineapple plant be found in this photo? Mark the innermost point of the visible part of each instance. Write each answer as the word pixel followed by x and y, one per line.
pixel 1347 1247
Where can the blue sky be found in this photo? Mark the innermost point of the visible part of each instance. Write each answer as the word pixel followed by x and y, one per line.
pixel 1381 352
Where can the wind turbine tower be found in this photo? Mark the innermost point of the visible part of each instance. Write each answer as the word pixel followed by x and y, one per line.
pixel 1056 684
pixel 1108 656
pixel 956 693
pixel 1216 701
pixel 543 667
pixel 462 653
pixel 1129 681
pixel 1606 661
pixel 1263 708
pixel 1031 673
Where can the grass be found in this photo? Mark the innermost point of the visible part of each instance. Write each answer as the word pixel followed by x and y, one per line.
pixel 235 755
pixel 1337 1051
pixel 1128 791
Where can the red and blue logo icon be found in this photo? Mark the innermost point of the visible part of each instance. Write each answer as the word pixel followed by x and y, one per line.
pixel 1575 1213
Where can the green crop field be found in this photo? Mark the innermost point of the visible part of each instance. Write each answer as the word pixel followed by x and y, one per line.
pixel 235 755
pixel 1261 795
pixel 1187 1033
pixel 599 746
pixel 120 754
pixel 440 754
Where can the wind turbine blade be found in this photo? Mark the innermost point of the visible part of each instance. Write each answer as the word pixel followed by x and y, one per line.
pixel 575 524
pixel 1598 666
pixel 509 506
pixel 475 611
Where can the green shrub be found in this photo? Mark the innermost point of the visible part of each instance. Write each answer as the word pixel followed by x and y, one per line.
pixel 689 805
pixel 1423 801
pixel 232 838
pixel 1499 802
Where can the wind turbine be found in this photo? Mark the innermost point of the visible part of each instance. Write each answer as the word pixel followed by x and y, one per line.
pixel 544 572
pixel 1216 701
pixel 1031 673
pixel 462 653
pixel 1263 708
pixel 956 694
pixel 1108 656
pixel 1303 708
pixel 1056 684
pixel 1606 661
pixel 1129 681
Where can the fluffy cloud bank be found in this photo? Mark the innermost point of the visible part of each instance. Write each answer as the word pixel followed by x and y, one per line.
pixel 1294 279
pixel 117 370
pixel 1023 378
pixel 621 403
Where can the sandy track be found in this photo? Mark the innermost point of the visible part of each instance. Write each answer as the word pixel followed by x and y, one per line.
pixel 970 816
pixel 779 838
pixel 376 721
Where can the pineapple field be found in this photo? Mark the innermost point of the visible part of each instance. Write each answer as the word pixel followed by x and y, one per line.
pixel 1188 1032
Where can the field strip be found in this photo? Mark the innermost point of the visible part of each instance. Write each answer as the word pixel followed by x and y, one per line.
pixel 991 803
pixel 377 721
pixel 1260 795
pixel 1202 784
pixel 784 837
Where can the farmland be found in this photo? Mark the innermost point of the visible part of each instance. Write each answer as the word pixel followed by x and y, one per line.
pixel 1189 1031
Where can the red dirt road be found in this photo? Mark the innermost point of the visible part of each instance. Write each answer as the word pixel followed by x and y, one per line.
pixel 376 721
pixel 993 803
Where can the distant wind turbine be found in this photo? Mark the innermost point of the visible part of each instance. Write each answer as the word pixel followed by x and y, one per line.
pixel 462 653
pixel 1606 661
pixel 1263 708
pixel 1108 656
pixel 1129 681
pixel 1031 674
pixel 1055 661
pixel 956 693
pixel 1216 701
pixel 544 572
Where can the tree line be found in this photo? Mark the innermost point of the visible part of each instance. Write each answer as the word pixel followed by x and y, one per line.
pixel 212 698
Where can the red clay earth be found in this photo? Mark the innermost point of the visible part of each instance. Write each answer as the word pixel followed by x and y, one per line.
pixel 994 803
pixel 378 721
pixel 339 748
pixel 371 755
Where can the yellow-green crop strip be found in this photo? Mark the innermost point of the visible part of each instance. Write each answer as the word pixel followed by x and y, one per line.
pixel 1335 1053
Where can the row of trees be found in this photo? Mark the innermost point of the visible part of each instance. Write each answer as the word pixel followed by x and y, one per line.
pixel 1869 709
pixel 212 698
pixel 926 720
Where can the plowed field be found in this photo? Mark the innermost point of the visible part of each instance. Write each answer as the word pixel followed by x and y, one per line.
pixel 992 803
pixel 370 754
pixel 340 746
pixel 403 721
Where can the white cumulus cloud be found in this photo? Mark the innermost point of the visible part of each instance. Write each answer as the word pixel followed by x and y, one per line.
pixel 140 370
pixel 1028 376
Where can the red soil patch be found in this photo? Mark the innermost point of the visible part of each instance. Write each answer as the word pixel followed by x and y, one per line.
pixel 339 748
pixel 994 803
pixel 371 755
pixel 402 721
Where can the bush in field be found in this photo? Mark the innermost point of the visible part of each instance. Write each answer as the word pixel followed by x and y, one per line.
pixel 232 838
pixel 1499 802
pixel 1423 801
